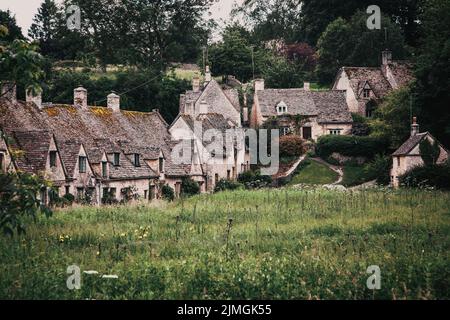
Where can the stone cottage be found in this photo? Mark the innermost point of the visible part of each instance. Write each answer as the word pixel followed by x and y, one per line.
pixel 365 87
pixel 408 155
pixel 89 152
pixel 310 114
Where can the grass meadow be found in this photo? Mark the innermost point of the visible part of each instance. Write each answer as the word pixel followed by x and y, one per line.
pixel 267 244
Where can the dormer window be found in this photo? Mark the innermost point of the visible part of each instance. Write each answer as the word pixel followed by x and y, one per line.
pixel 366 93
pixel 281 108
pixel 82 164
pixel 161 164
pixel 137 160
pixel 104 169
pixel 116 161
pixel 52 159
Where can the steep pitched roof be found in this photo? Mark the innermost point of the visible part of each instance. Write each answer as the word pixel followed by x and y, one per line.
pixel 35 145
pixel 360 76
pixel 410 144
pixel 402 72
pixel 331 106
pixel 69 151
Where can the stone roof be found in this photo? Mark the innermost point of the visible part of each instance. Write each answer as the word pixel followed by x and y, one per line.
pixel 329 106
pixel 97 128
pixel 34 145
pixel 402 72
pixel 360 76
pixel 69 151
pixel 410 144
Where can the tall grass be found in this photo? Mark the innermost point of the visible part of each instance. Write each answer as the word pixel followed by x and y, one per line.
pixel 268 244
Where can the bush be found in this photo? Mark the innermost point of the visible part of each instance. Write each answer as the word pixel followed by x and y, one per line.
pixel 351 146
pixel 379 169
pixel 225 184
pixel 291 146
pixel 254 180
pixel 360 126
pixel 168 193
pixel 189 187
pixel 69 198
pixel 435 176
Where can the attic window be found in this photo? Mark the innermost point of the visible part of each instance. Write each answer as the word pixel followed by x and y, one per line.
pixel 161 164
pixel 281 108
pixel 116 161
pixel 82 164
pixel 104 169
pixel 366 93
pixel 52 159
pixel 137 160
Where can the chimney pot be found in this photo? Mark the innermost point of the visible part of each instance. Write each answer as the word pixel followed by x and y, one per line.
pixel 9 91
pixel 113 101
pixel 80 97
pixel 36 98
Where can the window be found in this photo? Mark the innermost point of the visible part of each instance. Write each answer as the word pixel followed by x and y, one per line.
pixel 281 108
pixel 82 164
pixel 67 190
pixel 136 160
pixel 2 157
pixel 228 174
pixel 52 159
pixel 366 93
pixel 285 130
pixel 104 169
pixel 335 132
pixel 80 193
pixel 307 133
pixel 161 164
pixel 116 159
pixel 216 178
pixel 398 161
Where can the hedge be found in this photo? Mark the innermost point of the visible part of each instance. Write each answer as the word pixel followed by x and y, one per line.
pixel 435 176
pixel 351 146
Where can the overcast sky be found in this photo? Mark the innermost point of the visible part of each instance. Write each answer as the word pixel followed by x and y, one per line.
pixel 26 9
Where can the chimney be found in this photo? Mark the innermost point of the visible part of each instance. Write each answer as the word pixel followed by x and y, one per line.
pixel 245 114
pixel 207 75
pixel 414 127
pixel 259 84
pixel 386 57
pixel 203 107
pixel 9 91
pixel 113 101
pixel 36 98
pixel 80 97
pixel 189 107
pixel 307 86
pixel 196 84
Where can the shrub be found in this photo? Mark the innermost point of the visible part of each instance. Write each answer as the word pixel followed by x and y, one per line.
pixel 435 176
pixel 429 152
pixel 189 187
pixel 379 169
pixel 254 179
pixel 225 184
pixel 360 126
pixel 168 193
pixel 291 146
pixel 351 146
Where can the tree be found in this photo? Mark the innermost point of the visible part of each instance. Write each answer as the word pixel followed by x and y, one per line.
pixel 429 152
pixel 351 43
pixel 9 22
pixel 433 68
pixel 18 201
pixel 46 26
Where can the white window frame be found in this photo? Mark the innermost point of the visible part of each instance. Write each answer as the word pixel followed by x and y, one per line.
pixel 335 132
pixel 282 108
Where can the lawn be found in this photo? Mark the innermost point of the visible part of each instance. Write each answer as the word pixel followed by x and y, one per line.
pixel 267 244
pixel 354 175
pixel 314 173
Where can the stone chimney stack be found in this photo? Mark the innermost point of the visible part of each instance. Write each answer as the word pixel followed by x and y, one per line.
pixel 208 76
pixel 245 114
pixel 386 57
pixel 307 86
pixel 414 127
pixel 113 101
pixel 9 91
pixel 259 85
pixel 80 97
pixel 36 98
pixel 189 107
pixel 196 84
pixel 203 109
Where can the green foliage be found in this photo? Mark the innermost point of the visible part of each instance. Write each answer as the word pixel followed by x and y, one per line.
pixel 272 251
pixel 360 125
pixel 379 169
pixel 168 193
pixel 281 73
pixel 225 184
pixel 254 180
pixel 291 146
pixel 351 146
pixel 189 187
pixel 351 43
pixel 11 31
pixel 18 201
pixel 69 198
pixel 430 176
pixel 429 152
